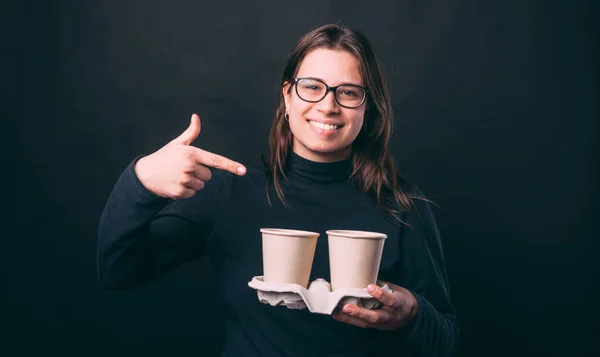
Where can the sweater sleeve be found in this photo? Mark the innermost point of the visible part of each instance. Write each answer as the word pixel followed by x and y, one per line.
pixel 434 331
pixel 142 236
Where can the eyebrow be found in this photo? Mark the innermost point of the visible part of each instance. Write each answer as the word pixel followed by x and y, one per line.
pixel 341 84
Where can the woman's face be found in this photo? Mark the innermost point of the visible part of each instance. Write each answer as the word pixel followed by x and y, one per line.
pixel 313 140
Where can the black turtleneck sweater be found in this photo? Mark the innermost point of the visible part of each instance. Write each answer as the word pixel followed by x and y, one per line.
pixel 143 236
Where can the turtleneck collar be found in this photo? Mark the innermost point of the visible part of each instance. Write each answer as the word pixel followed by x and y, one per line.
pixel 304 170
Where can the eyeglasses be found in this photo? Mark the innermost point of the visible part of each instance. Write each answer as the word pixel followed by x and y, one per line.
pixel 314 90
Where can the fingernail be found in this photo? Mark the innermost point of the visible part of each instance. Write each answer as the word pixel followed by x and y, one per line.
pixel 371 288
pixel 348 309
pixel 241 170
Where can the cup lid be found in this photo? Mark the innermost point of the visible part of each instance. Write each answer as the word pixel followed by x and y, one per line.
pixel 288 232
pixel 356 234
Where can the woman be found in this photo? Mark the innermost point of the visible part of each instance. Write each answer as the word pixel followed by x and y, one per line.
pixel 329 168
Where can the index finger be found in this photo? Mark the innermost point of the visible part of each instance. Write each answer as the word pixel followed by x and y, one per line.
pixel 218 162
pixel 386 298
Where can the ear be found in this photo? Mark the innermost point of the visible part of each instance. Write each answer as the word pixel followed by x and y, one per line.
pixel 286 94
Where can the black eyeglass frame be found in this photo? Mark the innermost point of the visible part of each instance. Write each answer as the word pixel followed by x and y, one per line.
pixel 328 89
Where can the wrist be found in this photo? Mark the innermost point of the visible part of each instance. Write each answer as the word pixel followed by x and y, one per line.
pixel 137 164
pixel 139 168
pixel 413 306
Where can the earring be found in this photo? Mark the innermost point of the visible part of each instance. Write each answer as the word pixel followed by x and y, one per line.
pixel 287 116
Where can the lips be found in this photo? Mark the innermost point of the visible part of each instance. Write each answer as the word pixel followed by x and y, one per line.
pixel 324 125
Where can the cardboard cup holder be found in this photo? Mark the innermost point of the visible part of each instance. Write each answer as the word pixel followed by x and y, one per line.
pixel 318 298
pixel 354 258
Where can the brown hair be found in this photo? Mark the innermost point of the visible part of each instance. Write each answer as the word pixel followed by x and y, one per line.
pixel 373 168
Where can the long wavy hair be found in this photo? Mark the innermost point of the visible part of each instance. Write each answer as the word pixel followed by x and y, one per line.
pixel 373 168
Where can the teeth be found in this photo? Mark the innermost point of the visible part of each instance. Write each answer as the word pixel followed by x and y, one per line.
pixel 323 126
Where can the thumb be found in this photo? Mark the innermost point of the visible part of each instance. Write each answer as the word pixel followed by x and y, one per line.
pixel 190 134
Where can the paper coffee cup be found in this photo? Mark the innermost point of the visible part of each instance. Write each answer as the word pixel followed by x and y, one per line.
pixel 354 258
pixel 288 255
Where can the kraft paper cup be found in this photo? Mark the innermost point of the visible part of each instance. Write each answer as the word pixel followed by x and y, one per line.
pixel 288 255
pixel 354 258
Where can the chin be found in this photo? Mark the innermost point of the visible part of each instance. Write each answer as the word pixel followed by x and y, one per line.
pixel 329 151
pixel 324 149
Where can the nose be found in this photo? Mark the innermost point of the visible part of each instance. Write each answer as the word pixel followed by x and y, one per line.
pixel 328 105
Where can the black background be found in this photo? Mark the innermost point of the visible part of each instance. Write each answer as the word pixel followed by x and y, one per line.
pixel 496 119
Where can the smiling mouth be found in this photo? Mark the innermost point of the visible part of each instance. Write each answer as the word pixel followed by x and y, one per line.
pixel 323 126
